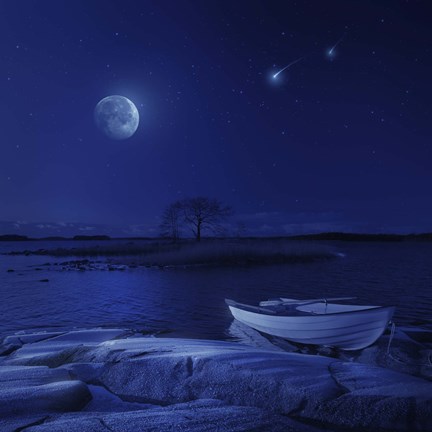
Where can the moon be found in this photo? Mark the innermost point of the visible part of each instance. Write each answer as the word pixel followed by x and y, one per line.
pixel 117 117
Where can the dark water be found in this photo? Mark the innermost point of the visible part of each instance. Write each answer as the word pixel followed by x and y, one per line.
pixel 190 302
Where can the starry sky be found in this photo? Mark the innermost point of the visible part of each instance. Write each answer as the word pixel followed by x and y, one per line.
pixel 335 143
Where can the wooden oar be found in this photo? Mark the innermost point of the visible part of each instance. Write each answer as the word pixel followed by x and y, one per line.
pixel 286 301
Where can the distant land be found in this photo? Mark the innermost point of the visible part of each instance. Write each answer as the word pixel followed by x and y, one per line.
pixel 15 237
pixel 335 236
pixel 340 236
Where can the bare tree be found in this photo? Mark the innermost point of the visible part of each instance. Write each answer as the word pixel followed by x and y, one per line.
pixel 202 213
pixel 171 218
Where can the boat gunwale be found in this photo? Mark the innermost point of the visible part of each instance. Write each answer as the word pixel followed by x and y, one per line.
pixel 271 313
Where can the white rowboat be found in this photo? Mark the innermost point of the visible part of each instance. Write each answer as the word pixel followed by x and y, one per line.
pixel 316 322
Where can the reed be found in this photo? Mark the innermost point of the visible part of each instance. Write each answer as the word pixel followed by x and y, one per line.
pixel 208 252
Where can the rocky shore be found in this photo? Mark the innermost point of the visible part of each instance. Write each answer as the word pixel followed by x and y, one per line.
pixel 114 380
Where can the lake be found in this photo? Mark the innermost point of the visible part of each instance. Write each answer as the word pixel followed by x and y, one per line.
pixel 190 302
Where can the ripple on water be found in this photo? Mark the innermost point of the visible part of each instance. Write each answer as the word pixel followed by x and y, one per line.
pixel 190 302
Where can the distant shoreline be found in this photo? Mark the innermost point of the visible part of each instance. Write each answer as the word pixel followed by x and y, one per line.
pixel 186 253
pixel 154 252
pixel 336 236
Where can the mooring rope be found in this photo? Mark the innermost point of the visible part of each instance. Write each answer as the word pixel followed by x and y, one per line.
pixel 392 332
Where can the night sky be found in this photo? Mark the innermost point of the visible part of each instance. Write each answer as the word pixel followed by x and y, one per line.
pixel 339 142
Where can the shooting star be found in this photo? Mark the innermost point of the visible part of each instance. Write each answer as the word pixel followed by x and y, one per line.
pixel 287 66
pixel 330 52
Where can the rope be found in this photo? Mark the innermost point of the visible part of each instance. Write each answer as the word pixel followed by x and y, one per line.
pixel 392 332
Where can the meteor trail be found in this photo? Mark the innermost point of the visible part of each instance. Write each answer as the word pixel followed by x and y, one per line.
pixel 330 51
pixel 287 66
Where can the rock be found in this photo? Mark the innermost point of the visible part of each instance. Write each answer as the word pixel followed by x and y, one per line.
pixel 87 372
pixel 197 416
pixel 24 376
pixel 105 401
pixel 377 397
pixel 410 349
pixel 200 384
pixel 8 349
pixel 309 387
pixel 56 350
pixel 410 352
pixel 16 341
pixel 10 270
pixel 246 377
pixel 44 280
pixel 78 423
pixel 19 423
pixel 36 390
pixel 25 338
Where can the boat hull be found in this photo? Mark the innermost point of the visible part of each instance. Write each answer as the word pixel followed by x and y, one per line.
pixel 347 330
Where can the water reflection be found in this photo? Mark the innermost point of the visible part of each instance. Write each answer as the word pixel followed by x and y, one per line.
pixel 190 302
